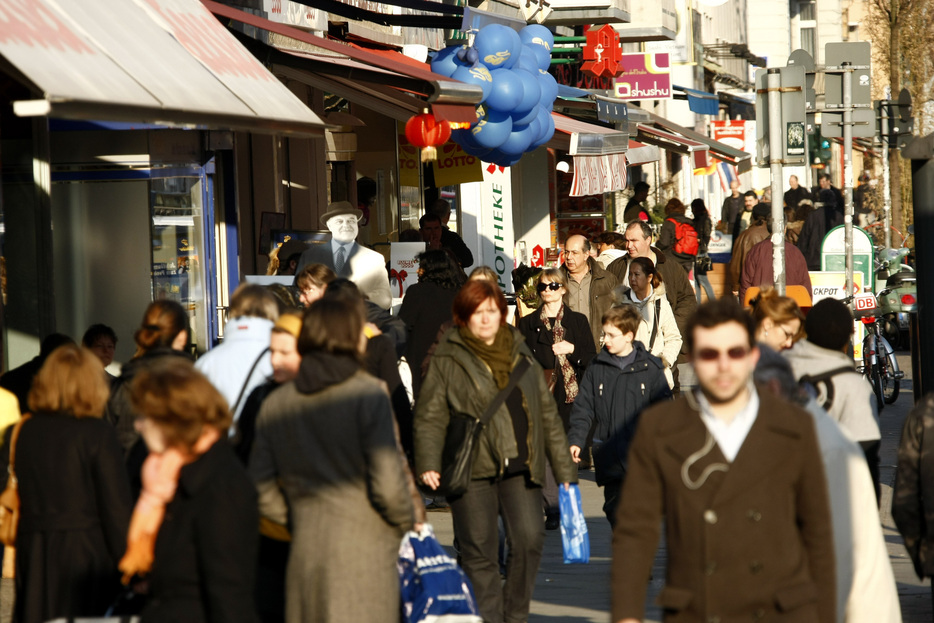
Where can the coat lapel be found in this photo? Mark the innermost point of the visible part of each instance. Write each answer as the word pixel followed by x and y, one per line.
pixel 701 472
pixel 767 445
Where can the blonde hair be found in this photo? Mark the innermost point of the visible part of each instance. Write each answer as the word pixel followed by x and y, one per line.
pixel 779 309
pixel 71 381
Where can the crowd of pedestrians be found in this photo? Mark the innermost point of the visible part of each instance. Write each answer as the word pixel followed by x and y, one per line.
pixel 273 478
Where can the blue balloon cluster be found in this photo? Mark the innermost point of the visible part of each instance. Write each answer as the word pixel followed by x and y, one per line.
pixel 511 67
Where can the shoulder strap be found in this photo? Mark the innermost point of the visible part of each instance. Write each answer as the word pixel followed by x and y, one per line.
pixel 246 381
pixel 500 398
pixel 658 313
pixel 825 376
pixel 13 438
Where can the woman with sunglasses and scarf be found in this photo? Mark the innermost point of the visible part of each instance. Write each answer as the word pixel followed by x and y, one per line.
pixel 562 344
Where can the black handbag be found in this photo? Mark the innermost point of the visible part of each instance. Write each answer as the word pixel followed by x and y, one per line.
pixel 460 442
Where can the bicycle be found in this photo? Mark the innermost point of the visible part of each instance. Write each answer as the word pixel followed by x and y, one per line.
pixel 879 366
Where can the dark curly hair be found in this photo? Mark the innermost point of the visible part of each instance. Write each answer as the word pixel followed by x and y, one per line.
pixel 438 267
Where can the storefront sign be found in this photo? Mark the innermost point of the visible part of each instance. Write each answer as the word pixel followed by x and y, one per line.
pixel 403 269
pixel 833 252
pixel 602 52
pixel 644 76
pixel 486 209
pixel 455 166
pixel 732 133
pixel 832 285
pixel 720 247
pixel 295 14
pixel 409 161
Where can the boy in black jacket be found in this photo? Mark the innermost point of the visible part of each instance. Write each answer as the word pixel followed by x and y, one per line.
pixel 618 385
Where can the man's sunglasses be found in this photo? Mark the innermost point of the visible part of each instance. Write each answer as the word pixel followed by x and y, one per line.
pixel 712 354
pixel 554 286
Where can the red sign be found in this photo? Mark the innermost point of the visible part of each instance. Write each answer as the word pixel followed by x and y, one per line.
pixel 864 302
pixel 538 255
pixel 602 52
pixel 730 132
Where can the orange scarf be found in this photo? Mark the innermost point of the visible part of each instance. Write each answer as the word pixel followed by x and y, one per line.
pixel 160 479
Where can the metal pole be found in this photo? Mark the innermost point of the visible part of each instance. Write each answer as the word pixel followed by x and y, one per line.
pixel 848 171
pixel 775 164
pixel 886 179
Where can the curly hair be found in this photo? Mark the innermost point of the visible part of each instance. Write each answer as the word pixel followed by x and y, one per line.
pixel 438 267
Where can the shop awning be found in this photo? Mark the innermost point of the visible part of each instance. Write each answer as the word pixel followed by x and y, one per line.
pixel 580 138
pixel 720 151
pixel 667 140
pixel 641 154
pixel 700 102
pixel 435 88
pixel 167 62
pixel 595 175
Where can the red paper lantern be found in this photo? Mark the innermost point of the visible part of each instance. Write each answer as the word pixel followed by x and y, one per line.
pixel 427 133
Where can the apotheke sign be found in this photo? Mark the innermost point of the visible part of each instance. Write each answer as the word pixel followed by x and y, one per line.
pixel 644 76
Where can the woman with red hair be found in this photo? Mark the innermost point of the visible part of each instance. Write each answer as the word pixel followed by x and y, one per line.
pixel 472 364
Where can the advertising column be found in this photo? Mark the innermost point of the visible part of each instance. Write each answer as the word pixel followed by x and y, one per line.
pixel 487 222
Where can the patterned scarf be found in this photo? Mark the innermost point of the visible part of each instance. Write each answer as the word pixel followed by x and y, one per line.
pixel 567 370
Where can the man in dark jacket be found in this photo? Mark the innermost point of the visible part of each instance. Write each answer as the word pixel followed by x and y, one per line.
pixel 795 193
pixel 736 474
pixel 914 487
pixel 621 381
pixel 678 289
pixel 448 239
pixel 818 223
pixel 731 208
pixel 634 209
pixel 590 287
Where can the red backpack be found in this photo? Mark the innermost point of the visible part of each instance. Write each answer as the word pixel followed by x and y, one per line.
pixel 685 238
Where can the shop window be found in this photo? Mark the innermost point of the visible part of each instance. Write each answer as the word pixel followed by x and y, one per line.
pixel 178 249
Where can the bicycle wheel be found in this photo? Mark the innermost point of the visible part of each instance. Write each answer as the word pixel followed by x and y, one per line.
pixel 890 384
pixel 876 379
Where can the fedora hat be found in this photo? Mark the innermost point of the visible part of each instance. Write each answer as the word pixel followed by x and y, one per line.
pixel 338 208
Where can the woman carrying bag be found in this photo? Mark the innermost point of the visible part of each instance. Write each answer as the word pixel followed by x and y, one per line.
pixel 561 341
pixel 473 366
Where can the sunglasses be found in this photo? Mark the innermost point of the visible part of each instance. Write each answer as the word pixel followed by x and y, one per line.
pixel 712 354
pixel 554 286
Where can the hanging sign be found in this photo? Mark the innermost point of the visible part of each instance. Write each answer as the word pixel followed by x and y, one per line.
pixel 602 52
pixel 644 77
pixel 455 166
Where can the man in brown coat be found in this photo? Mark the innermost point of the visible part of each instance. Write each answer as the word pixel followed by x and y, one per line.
pixel 736 474
pixel 590 288
pixel 756 232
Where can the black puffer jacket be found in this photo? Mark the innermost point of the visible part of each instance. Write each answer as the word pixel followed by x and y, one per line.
pixel 611 400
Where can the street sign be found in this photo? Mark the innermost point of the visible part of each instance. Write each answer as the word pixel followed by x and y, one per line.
pixel 793 116
pixel 801 58
pixel 858 55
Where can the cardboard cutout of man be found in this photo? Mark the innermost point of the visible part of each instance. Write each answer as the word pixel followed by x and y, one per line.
pixel 348 258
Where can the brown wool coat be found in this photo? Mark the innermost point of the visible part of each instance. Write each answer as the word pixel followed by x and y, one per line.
pixel 753 543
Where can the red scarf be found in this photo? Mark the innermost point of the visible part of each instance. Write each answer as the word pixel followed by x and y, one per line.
pixel 160 480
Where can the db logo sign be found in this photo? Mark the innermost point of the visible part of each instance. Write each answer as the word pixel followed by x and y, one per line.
pixel 864 301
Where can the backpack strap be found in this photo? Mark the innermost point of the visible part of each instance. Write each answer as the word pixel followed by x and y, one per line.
pixel 822 386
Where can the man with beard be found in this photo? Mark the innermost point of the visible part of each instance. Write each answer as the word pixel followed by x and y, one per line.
pixel 736 474
pixel 347 258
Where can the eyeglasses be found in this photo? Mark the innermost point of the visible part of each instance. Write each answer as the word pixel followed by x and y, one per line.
pixel 789 335
pixel 712 354
pixel 554 286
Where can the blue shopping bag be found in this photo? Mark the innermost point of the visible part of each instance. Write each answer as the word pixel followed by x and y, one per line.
pixel 434 588
pixel 574 539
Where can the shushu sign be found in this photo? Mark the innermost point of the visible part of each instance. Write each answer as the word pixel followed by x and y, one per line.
pixel 644 77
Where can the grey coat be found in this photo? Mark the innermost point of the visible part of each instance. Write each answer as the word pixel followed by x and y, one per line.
pixel 327 464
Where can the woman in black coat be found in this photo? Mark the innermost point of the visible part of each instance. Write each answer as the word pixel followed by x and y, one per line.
pixel 576 345
pixel 74 493
pixel 562 343
pixel 193 534
pixel 427 306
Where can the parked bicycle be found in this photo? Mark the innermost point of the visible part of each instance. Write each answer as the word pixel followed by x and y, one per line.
pixel 879 364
